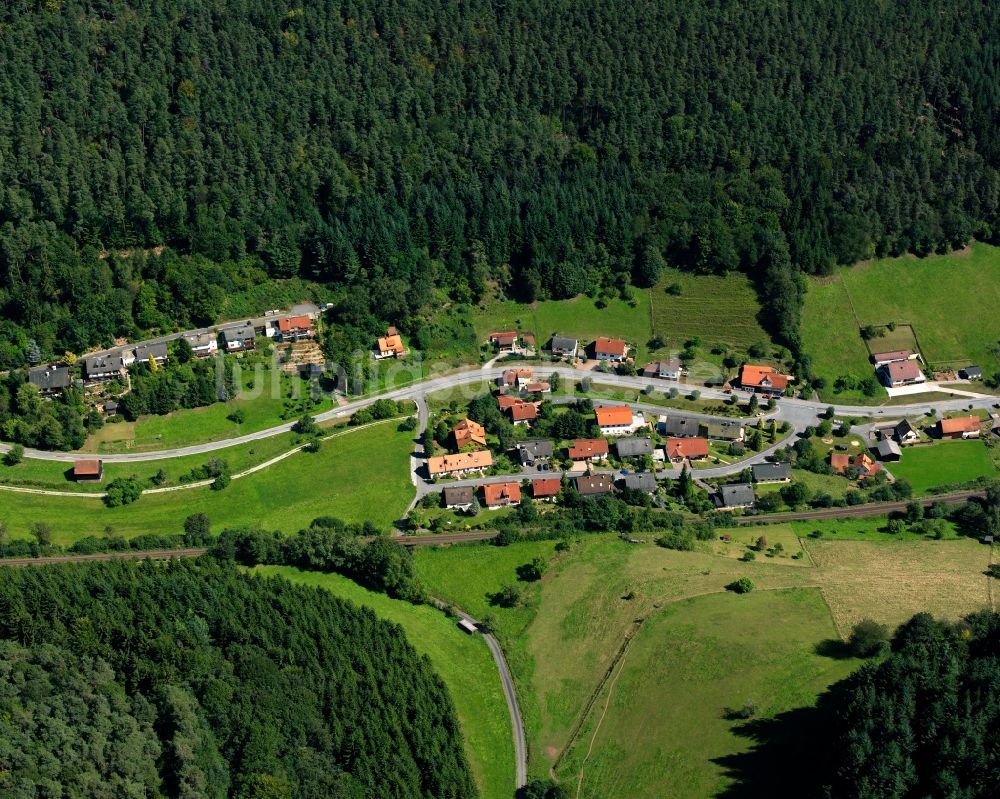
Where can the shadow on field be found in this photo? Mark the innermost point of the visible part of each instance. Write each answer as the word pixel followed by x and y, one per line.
pixel 777 765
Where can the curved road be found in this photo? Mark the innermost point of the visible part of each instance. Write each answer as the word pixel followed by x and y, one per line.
pixel 798 412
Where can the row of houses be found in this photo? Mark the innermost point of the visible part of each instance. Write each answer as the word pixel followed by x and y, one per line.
pixel 508 493
pixel 603 348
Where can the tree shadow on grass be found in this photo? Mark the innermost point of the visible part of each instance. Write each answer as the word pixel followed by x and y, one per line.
pixel 778 764
pixel 834 648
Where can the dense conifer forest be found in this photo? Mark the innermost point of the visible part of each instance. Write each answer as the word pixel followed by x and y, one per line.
pixel 413 144
pixel 196 680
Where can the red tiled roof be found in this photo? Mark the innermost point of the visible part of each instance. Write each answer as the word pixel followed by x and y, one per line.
pixel 584 448
pixel 546 487
pixel 290 323
pixel 500 493
pixel 903 370
pixel 441 464
pixel 87 468
pixel 964 424
pixel 507 337
pixel 469 432
pixel 610 346
pixel 613 415
pixel 758 376
pixel 893 355
pixel 523 412
pixel 687 448
pixel 839 461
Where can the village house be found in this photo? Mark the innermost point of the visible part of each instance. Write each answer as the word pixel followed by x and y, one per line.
pixel 564 346
pixel 971 373
pixel 618 420
pixel 669 369
pixel 88 470
pixel 762 380
pixel 888 450
pixel 546 488
pixel 534 453
pixel 458 497
pixel 295 328
pixel 587 449
pixel 468 432
pixel 239 338
pixel 110 407
pixel 518 378
pixel 462 463
pixel 523 413
pixel 593 485
pixel 501 495
pixel 883 358
pixel 146 352
pixel 538 387
pixel 103 367
pixel 202 345
pixel 633 447
pixel 614 350
pixel 691 449
pixel 900 373
pixel 771 472
pixel 723 429
pixel 866 465
pixel 50 379
pixel 641 481
pixel 678 426
pixel 963 427
pixel 734 496
pixel 905 433
pixel 390 345
pixel 504 342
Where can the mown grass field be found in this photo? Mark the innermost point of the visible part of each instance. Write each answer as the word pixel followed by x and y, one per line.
pixel 362 475
pixel 462 661
pixel 665 719
pixel 563 638
pixel 263 398
pixel 57 475
pixel 713 308
pixel 943 463
pixel 946 298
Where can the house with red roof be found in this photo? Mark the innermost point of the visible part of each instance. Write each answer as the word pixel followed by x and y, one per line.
pixel 501 495
pixel 686 449
pixel 614 350
pixel 763 380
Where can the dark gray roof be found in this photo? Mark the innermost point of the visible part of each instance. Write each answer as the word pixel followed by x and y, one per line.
pixel 563 343
pixel 888 447
pixel 49 377
pixel 594 484
pixel 644 481
pixel 199 339
pixel 103 363
pixel 239 333
pixel 529 451
pixel 763 472
pixel 903 428
pixel 459 495
pixel 680 426
pixel 144 351
pixel 633 447
pixel 735 495
pixel 725 429
pixel 970 372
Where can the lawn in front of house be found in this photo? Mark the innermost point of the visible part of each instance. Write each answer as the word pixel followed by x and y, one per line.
pixel 362 475
pixel 462 661
pixel 944 463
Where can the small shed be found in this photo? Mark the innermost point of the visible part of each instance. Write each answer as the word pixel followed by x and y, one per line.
pixel 467 626
pixel 90 470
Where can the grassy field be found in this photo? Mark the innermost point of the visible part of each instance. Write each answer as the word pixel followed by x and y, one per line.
pixel 579 317
pixel 58 475
pixel 363 475
pixel 264 398
pixel 943 463
pixel 570 627
pixel 906 290
pixel 666 710
pixel 715 309
pixel 869 528
pixel 462 661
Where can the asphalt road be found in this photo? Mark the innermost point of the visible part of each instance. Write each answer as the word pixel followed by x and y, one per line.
pixel 799 413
